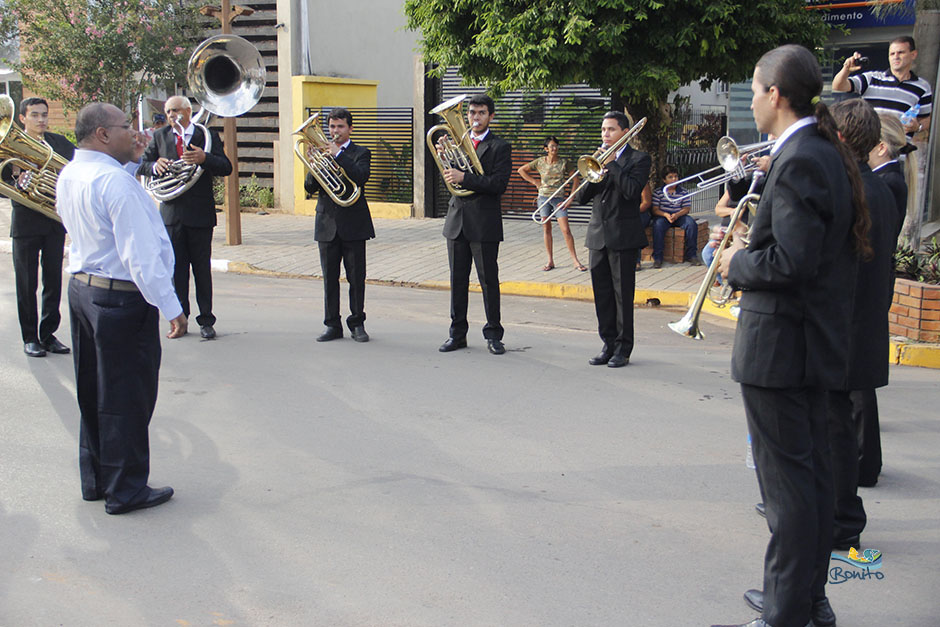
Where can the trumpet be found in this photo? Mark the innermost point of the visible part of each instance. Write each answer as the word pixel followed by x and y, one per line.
pixel 591 169
pixel 688 324
pixel 312 147
pixel 730 157
pixel 38 161
pixel 458 152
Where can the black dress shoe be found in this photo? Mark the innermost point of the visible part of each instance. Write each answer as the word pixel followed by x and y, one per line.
pixel 453 344
pixel 53 345
pixel 821 613
pixel 330 333
pixel 207 332
pixel 600 359
pixel 760 509
pixel 495 347
pixel 156 496
pixel 34 349
pixel 359 334
pixel 844 544
pixel 617 361
pixel 92 496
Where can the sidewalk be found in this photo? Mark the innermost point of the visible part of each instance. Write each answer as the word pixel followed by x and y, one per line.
pixel 413 253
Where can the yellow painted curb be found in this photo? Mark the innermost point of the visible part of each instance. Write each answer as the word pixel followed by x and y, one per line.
pixel 920 355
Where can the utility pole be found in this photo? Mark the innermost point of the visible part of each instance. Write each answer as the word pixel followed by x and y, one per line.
pixel 233 218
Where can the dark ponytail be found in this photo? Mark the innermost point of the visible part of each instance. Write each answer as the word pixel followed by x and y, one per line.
pixel 795 72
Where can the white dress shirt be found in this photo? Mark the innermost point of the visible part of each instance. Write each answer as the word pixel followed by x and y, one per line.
pixel 784 136
pixel 115 229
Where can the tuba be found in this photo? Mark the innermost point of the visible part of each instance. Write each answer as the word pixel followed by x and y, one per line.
pixel 226 75
pixel 35 157
pixel 458 151
pixel 311 146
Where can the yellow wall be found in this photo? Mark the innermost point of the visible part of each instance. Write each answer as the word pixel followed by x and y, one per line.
pixel 324 91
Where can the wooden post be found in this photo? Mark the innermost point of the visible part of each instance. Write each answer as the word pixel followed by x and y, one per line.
pixel 233 218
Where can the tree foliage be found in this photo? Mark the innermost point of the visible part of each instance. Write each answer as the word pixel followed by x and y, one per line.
pixel 78 51
pixel 638 51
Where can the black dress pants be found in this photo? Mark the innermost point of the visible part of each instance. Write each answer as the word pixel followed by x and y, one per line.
pixel 789 435
pixel 29 253
pixel 849 518
pixel 353 256
pixel 116 351
pixel 613 278
pixel 192 246
pixel 461 253
pixel 868 434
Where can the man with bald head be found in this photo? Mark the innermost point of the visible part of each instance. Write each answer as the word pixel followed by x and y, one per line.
pixel 190 217
pixel 121 262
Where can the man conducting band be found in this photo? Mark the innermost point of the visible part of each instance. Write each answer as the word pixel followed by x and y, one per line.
pixel 615 236
pixel 38 240
pixel 121 262
pixel 341 232
pixel 474 228
pixel 189 218
pixel 792 337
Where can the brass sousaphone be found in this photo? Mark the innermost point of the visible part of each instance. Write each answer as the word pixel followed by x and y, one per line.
pixel 226 75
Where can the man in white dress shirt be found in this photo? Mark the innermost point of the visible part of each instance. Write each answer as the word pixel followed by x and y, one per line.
pixel 121 263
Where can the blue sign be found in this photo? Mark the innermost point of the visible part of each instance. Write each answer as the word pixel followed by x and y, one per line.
pixel 856 14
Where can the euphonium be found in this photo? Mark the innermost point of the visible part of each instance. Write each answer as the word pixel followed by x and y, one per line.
pixel 312 147
pixel 226 75
pixel 688 324
pixel 591 168
pixel 458 151
pixel 35 157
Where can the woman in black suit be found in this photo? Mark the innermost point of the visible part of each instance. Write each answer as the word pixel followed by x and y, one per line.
pixel 884 160
pixel 791 343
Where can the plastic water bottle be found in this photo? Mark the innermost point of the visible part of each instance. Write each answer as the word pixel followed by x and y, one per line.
pixel 908 116
pixel 749 456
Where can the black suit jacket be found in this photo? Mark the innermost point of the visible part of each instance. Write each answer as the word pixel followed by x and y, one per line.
pixel 26 222
pixel 479 216
pixel 798 272
pixel 196 207
pixel 351 223
pixel 868 347
pixel 615 203
pixel 891 174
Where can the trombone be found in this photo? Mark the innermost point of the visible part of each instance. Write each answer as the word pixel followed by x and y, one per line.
pixel 312 147
pixel 591 169
pixel 688 324
pixel 457 152
pixel 730 157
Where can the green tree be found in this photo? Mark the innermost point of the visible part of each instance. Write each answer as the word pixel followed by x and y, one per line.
pixel 638 51
pixel 77 51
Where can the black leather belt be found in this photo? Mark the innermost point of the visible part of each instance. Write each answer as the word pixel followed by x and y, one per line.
pixel 108 284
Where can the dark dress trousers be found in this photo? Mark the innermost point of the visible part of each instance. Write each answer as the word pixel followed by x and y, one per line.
pixel 615 235
pixel 790 347
pixel 341 234
pixel 868 357
pixel 38 241
pixel 474 228
pixel 190 218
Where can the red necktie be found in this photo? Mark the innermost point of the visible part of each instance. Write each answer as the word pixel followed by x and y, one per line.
pixel 476 142
pixel 179 145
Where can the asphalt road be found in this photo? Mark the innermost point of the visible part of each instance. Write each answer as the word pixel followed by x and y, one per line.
pixel 386 484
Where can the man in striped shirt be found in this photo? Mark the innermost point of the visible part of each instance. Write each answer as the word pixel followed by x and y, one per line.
pixel 891 92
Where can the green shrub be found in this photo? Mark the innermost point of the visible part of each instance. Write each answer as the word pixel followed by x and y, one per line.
pixel 924 267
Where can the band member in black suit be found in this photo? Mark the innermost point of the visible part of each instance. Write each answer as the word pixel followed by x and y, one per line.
pixel 474 228
pixel 860 128
pixel 341 232
pixel 38 240
pixel 190 217
pixel 792 338
pixel 615 236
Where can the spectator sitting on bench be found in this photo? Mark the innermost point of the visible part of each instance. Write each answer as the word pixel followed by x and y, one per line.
pixel 673 213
